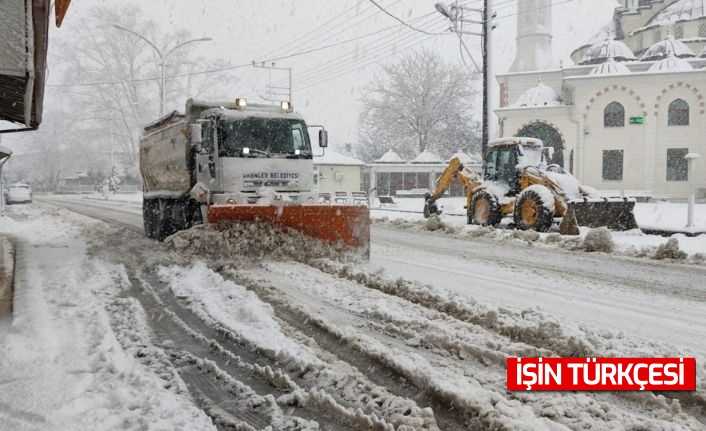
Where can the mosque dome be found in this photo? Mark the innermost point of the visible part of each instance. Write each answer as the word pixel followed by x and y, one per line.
pixel 662 49
pixel 681 10
pixel 609 48
pixel 538 96
pixel 610 67
pixel 671 63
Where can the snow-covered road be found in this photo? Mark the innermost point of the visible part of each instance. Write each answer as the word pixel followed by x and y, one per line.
pixel 423 328
pixel 653 300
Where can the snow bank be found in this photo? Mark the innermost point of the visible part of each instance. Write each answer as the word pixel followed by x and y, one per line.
pixel 253 241
pixel 60 360
pixel 598 239
pixel 222 302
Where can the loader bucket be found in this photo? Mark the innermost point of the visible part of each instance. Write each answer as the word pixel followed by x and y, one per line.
pixel 613 213
pixel 349 224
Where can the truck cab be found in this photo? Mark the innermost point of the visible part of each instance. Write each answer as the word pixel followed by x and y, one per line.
pixel 254 154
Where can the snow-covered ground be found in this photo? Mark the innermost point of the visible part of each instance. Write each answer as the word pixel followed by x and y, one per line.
pixel 61 363
pixel 658 215
pixel 299 340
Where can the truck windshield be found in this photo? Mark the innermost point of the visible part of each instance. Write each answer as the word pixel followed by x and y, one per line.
pixel 263 136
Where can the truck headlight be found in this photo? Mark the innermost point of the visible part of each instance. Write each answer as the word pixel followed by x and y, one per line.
pixel 230 201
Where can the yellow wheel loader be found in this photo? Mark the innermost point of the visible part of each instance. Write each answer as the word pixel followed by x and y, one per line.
pixel 518 183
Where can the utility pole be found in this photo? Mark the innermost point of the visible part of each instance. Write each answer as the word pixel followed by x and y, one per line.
pixel 272 67
pixel 455 14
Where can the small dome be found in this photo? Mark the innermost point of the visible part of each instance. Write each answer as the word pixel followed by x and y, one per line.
pixel 390 157
pixel 427 157
pixel 538 96
pixel 662 48
pixel 682 10
pixel 610 67
pixel 671 63
pixel 609 48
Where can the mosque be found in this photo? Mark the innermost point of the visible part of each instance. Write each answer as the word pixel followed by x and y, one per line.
pixel 630 107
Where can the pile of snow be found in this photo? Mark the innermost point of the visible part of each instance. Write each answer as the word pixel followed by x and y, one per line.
pixel 599 239
pixel 253 241
pixel 222 302
pixel 633 243
pixel 61 363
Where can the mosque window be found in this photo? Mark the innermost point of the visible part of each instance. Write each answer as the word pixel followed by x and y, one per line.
pixel 613 165
pixel 679 32
pixel 678 113
pixel 614 115
pixel 677 165
pixel 657 36
pixel 702 29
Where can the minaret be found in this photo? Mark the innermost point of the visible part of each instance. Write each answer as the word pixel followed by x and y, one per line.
pixel 534 36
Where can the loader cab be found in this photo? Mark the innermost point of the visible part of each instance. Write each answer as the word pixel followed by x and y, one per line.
pixel 500 165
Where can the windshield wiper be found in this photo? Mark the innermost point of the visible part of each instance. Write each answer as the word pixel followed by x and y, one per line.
pixel 241 152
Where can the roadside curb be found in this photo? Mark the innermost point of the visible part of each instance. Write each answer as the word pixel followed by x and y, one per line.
pixel 669 232
pixel 7 274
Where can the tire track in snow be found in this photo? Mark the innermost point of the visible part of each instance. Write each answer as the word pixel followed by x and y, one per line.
pixel 206 345
pixel 376 369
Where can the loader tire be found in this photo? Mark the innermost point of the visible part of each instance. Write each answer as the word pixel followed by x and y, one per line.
pixel 484 210
pixel 531 212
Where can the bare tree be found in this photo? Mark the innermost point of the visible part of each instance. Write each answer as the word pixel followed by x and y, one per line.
pixel 122 72
pixel 417 104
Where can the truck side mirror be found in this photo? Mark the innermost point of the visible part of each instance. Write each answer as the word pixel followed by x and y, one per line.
pixel 196 135
pixel 323 138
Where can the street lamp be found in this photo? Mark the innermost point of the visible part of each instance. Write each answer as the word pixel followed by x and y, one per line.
pixel 691 157
pixel 162 58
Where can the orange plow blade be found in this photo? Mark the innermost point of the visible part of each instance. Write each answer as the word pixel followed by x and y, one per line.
pixel 349 224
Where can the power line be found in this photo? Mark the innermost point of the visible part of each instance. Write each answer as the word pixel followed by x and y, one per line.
pixel 536 9
pixel 156 78
pixel 312 41
pixel 370 49
pixel 399 51
pixel 353 65
pixel 403 22
pixel 297 40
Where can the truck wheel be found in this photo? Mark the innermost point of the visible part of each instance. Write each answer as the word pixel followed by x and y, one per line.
pixel 166 222
pixel 148 217
pixel 533 210
pixel 484 210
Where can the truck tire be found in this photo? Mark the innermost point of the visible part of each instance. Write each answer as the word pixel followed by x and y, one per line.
pixel 149 217
pixel 532 211
pixel 484 210
pixel 164 217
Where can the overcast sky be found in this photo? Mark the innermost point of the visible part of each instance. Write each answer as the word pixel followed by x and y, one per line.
pixel 328 83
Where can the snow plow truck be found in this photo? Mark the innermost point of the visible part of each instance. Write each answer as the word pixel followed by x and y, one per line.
pixel 234 161
pixel 518 182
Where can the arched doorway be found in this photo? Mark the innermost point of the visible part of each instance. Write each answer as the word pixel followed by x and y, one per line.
pixel 549 135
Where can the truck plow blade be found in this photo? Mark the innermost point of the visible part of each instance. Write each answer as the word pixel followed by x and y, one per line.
pixel 349 224
pixel 613 213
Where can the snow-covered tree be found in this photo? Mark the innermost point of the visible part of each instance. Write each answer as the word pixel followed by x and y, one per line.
pixel 122 72
pixel 419 103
